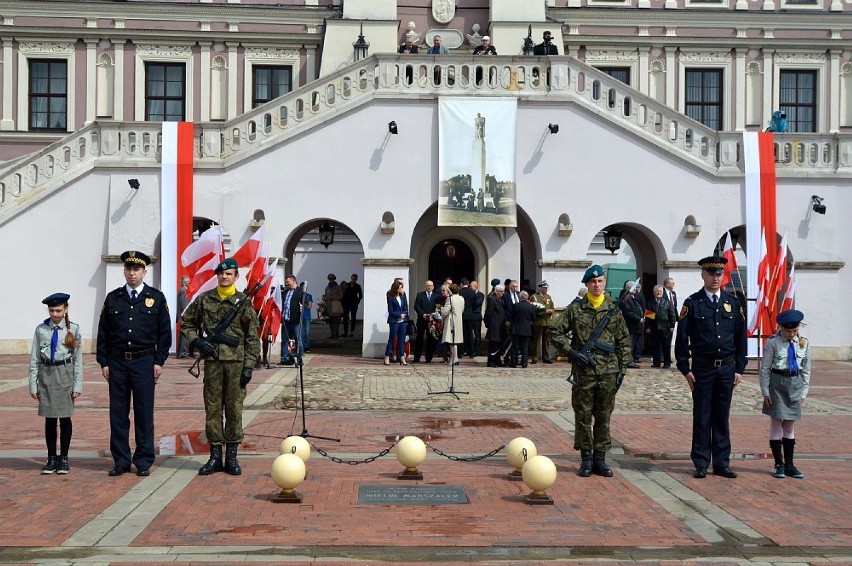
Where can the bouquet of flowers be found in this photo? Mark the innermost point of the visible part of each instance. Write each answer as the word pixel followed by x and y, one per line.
pixel 539 308
pixel 436 327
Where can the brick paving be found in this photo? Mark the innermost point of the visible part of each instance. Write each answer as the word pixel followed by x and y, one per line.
pixel 651 512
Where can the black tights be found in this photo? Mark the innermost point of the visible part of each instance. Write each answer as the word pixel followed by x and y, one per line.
pixel 65 429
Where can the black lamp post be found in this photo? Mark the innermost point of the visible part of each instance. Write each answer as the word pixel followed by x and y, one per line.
pixel 612 240
pixel 529 44
pixel 326 234
pixel 362 46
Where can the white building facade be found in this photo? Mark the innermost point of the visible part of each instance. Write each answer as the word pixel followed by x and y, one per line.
pixel 651 99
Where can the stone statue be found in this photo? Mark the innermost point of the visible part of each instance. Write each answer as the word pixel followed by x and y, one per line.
pixel 415 37
pixel 474 39
pixel 479 121
pixel 443 10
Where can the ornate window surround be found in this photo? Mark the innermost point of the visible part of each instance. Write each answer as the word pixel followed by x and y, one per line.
pixel 801 61
pixel 615 57
pixel 709 59
pixel 45 50
pixel 165 54
pixel 267 56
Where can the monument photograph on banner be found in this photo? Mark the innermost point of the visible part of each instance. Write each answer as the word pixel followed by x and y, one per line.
pixel 476 162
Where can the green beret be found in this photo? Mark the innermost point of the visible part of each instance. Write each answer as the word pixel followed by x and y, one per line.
pixel 229 263
pixel 592 272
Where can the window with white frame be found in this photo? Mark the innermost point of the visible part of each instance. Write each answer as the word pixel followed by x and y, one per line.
pixel 270 58
pixel 619 73
pixel 48 94
pixel 704 94
pixel 797 90
pixel 165 92
pixel 270 82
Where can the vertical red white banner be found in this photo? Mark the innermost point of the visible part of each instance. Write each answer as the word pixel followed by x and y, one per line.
pixel 176 177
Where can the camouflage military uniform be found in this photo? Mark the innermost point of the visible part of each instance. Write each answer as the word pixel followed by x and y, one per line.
pixel 593 394
pixel 222 377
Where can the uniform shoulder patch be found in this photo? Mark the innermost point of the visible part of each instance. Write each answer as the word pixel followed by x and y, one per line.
pixel 684 310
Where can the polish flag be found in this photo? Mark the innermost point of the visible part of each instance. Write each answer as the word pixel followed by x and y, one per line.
pixel 760 314
pixel 271 312
pixel 790 294
pixel 262 294
pixel 257 270
pixel 728 253
pixel 248 252
pixel 779 275
pixel 209 244
pixel 200 282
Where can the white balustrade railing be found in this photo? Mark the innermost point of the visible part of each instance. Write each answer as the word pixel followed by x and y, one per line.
pixel 556 79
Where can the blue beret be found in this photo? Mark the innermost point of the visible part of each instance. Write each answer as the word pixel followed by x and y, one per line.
pixel 132 257
pixel 790 319
pixel 594 271
pixel 229 263
pixel 56 299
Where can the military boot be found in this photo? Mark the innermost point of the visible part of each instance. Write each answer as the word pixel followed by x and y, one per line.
pixel 599 465
pixel 232 465
pixel 214 464
pixel 585 464
pixel 775 445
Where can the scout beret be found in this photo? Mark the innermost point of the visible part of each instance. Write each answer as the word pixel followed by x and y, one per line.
pixel 790 319
pixel 495 282
pixel 229 263
pixel 134 258
pixel 57 299
pixel 544 284
pixel 713 264
pixel 594 271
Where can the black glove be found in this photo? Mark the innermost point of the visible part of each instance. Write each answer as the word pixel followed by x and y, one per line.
pixel 583 360
pixel 207 348
pixel 619 379
pixel 245 377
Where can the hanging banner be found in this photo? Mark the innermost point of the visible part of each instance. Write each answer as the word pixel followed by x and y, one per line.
pixel 476 162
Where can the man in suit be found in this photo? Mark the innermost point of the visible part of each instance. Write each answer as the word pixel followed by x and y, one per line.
pixel 510 299
pixel 437 48
pixel 182 303
pixel 134 337
pixel 424 306
pixel 495 322
pixel 660 326
pixel 468 295
pixel 546 47
pixel 669 285
pixel 711 349
pixel 523 315
pixel 291 298
pixel 476 318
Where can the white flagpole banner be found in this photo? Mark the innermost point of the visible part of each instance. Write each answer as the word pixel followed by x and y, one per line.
pixel 476 161
pixel 168 218
pixel 751 158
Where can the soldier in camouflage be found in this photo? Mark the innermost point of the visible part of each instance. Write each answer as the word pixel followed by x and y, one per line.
pixel 230 356
pixel 598 374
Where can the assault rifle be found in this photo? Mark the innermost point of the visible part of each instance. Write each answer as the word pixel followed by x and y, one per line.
pixel 218 335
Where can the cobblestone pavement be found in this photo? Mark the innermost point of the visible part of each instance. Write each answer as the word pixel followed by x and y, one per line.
pixel 651 512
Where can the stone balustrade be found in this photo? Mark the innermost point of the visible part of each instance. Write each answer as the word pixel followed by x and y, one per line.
pixel 557 79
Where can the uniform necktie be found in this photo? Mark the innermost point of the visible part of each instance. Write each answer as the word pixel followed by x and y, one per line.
pixel 54 342
pixel 792 363
pixel 133 295
pixel 715 301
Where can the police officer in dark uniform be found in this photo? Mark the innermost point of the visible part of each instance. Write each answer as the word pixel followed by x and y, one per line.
pixel 134 337
pixel 711 353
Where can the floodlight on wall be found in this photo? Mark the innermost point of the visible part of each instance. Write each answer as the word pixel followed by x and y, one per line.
pixel 554 128
pixel 392 127
pixel 134 184
pixel 361 46
pixel 818 207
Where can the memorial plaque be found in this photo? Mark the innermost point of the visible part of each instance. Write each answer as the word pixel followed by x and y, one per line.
pixel 411 494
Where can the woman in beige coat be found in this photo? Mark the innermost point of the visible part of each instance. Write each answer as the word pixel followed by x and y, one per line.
pixel 451 313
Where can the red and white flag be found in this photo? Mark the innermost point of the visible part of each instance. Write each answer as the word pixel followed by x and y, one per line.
pixel 208 245
pixel 262 294
pixel 760 315
pixel 258 269
pixel 728 253
pixel 201 281
pixel 790 294
pixel 271 312
pixel 779 276
pixel 250 250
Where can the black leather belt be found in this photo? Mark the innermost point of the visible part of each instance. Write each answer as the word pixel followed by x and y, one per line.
pixel 137 354
pixel 715 362
pixel 57 362
pixel 784 372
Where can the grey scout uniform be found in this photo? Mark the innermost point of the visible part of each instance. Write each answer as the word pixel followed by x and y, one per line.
pixel 786 391
pixel 593 394
pixel 54 382
pixel 222 389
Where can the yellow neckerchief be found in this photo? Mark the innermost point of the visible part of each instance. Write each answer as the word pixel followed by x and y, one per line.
pixel 226 292
pixel 598 301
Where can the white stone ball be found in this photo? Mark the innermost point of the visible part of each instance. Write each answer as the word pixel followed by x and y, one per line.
pixel 515 451
pixel 411 452
pixel 288 471
pixel 296 445
pixel 539 473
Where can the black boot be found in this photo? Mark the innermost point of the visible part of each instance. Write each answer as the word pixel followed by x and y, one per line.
pixel 214 464
pixel 775 445
pixel 585 464
pixel 232 465
pixel 599 465
pixel 789 445
pixel 50 467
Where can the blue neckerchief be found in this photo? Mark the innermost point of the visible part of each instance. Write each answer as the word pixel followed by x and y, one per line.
pixel 792 362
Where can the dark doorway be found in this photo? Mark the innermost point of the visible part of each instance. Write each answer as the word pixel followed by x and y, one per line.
pixel 453 259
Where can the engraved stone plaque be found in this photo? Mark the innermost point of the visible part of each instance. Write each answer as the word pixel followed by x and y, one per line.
pixel 386 494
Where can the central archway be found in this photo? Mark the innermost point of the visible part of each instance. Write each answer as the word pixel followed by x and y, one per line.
pixel 451 258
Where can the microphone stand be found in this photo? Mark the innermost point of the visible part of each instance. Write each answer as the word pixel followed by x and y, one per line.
pixel 451 390
pixel 300 364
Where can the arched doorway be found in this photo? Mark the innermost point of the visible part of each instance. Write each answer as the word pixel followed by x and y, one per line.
pixel 451 258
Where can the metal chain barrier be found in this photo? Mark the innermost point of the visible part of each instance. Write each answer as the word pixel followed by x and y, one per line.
pixel 367 460
pixel 469 459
